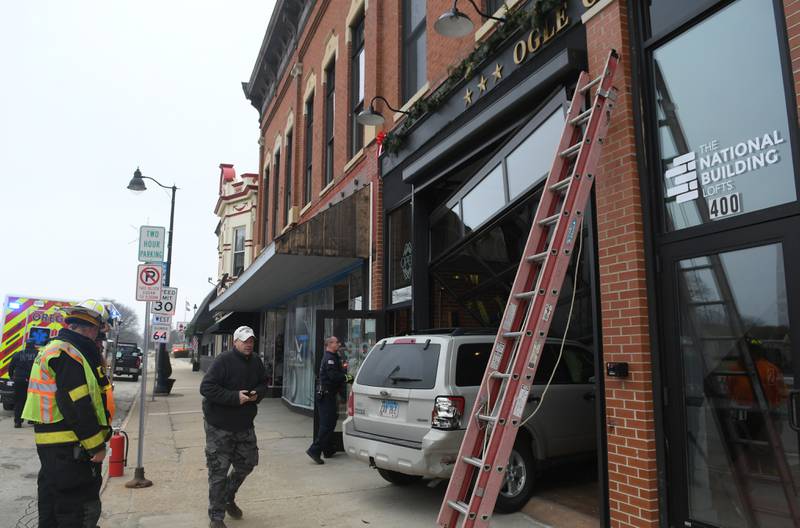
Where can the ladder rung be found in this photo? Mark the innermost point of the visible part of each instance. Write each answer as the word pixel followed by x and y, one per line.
pixel 588 86
pixel 509 335
pixel 581 118
pixel 487 418
pixel 525 295
pixel 747 441
pixel 473 461
pixel 539 257
pixel 459 506
pixel 728 373
pixel 560 186
pixel 571 151
pixel 550 220
pixel 499 375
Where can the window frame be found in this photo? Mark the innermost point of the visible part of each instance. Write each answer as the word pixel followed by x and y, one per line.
pixel 309 149
pixel 276 162
pixel 287 190
pixel 330 121
pixel 265 201
pixel 409 37
pixel 357 77
pixel 240 252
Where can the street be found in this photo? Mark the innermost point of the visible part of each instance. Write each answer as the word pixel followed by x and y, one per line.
pixel 19 464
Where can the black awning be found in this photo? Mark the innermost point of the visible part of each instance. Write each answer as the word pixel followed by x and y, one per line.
pixel 232 321
pixel 202 318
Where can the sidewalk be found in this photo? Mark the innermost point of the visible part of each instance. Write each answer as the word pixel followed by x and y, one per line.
pixel 286 490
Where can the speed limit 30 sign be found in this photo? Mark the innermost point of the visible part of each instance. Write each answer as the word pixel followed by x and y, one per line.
pixel 166 306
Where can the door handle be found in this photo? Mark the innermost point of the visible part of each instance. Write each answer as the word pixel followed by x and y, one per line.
pixel 794 410
pixel 589 396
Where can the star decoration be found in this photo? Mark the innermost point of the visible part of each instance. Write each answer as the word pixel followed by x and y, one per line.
pixel 498 72
pixel 468 97
pixel 482 84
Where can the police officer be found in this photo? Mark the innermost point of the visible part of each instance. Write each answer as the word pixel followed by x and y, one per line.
pixel 20 371
pixel 65 400
pixel 332 379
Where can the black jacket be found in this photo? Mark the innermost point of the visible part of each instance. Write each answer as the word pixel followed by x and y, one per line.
pixel 231 372
pixel 79 415
pixel 21 364
pixel 332 375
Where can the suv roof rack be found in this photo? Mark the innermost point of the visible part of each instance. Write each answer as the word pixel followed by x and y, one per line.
pixel 456 331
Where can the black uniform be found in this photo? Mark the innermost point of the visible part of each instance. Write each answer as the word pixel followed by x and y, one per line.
pixel 230 435
pixel 20 371
pixel 332 379
pixel 69 483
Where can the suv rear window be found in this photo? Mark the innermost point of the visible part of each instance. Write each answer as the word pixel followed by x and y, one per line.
pixel 406 366
pixel 128 349
pixel 471 362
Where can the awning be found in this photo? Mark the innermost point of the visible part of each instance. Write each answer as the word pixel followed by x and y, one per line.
pixel 330 245
pixel 232 321
pixel 202 318
pixel 275 278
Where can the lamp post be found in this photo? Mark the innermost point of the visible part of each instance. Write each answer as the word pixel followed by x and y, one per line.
pixel 163 366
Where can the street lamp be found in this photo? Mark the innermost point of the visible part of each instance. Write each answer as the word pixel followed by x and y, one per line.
pixel 371 117
pixel 164 368
pixel 454 23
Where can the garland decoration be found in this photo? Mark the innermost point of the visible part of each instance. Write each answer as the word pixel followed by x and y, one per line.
pixel 516 21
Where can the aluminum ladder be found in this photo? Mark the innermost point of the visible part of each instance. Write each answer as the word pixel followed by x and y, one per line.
pixel 479 471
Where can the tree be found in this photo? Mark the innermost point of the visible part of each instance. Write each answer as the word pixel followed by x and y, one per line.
pixel 129 330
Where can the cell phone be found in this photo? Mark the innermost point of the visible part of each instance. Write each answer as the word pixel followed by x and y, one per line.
pixel 252 393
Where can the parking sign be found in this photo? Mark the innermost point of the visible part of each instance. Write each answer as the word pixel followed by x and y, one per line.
pixel 148 282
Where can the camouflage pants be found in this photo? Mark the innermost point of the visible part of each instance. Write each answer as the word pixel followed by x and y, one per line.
pixel 226 449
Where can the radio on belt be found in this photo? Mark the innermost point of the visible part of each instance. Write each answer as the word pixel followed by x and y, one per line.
pixel 617 369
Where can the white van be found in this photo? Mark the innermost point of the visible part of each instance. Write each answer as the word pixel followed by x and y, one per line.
pixel 406 409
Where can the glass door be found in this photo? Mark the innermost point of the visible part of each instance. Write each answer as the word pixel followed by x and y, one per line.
pixel 358 331
pixel 730 336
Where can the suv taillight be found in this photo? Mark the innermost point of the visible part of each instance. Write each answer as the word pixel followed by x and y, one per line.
pixel 447 412
pixel 351 404
pixel 138 362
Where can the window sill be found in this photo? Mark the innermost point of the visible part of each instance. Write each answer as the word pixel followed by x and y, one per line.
pixel 327 188
pixel 305 208
pixel 490 24
pixel 594 10
pixel 353 161
pixel 414 98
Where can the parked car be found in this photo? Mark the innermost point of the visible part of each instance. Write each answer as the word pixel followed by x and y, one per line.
pixel 128 361
pixel 7 393
pixel 406 410
pixel 181 350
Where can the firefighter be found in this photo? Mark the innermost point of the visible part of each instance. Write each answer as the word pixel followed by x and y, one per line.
pixel 333 377
pixel 20 371
pixel 65 400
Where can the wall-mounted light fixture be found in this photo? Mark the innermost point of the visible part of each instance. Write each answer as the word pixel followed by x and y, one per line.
pixel 454 23
pixel 371 117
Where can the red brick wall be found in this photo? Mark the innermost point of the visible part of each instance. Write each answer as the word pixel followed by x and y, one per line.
pixel 792 11
pixel 633 485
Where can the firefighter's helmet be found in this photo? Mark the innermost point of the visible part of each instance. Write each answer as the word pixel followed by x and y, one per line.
pixel 89 311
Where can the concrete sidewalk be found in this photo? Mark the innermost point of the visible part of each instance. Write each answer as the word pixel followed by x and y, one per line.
pixel 286 489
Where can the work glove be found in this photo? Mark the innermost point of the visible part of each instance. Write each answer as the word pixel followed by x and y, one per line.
pixel 348 378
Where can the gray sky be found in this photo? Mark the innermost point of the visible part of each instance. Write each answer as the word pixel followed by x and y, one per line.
pixel 90 90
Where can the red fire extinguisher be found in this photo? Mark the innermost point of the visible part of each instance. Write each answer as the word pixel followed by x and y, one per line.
pixel 119 454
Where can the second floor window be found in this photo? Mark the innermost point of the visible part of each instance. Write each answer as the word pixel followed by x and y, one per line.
pixel 309 144
pixel 330 93
pixel 275 179
pixel 357 87
pixel 414 47
pixel 493 5
pixel 265 204
pixel 287 191
pixel 238 251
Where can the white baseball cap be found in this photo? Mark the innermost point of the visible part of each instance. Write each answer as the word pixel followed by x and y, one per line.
pixel 243 333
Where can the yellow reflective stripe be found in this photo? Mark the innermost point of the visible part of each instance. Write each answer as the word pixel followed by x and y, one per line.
pixel 94 441
pixel 57 437
pixel 80 392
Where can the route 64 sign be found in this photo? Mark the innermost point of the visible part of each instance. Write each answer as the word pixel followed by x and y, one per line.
pixel 160 334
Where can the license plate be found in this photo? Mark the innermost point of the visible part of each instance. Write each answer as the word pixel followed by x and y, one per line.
pixel 389 409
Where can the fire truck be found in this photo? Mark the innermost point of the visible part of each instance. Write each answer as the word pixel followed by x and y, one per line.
pixel 25 318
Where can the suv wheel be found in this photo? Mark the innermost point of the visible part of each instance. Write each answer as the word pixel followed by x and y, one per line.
pixel 518 483
pixel 8 406
pixel 135 377
pixel 398 479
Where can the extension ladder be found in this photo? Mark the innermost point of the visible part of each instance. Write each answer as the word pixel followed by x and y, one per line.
pixel 497 412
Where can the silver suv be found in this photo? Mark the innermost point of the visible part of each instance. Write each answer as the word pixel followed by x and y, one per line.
pixel 406 409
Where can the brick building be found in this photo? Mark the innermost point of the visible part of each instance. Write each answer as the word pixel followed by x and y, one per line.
pixel 694 218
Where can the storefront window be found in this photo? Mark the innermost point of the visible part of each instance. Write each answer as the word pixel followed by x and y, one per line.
pixel 400 255
pixel 531 160
pixel 723 125
pixel 484 199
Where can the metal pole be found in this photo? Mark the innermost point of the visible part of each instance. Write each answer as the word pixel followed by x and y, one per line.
pixel 138 477
pixel 162 358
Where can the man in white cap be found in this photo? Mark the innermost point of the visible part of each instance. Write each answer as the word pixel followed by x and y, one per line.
pixel 231 389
